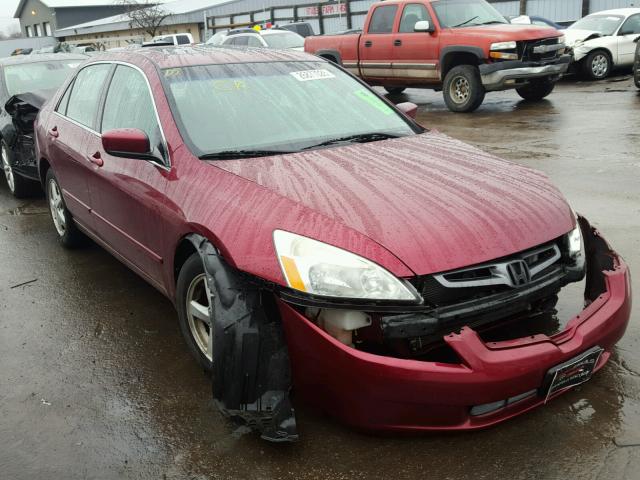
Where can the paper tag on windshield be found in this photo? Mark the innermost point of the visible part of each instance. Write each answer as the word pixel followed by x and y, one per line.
pixel 306 75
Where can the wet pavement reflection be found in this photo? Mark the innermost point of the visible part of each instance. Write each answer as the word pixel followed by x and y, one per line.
pixel 96 383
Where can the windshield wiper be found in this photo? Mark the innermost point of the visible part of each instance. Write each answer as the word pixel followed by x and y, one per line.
pixel 358 138
pixel 465 22
pixel 230 154
pixel 491 22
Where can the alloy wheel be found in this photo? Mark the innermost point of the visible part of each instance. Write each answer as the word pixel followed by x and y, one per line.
pixel 8 171
pixel 198 317
pixel 600 65
pixel 460 90
pixel 56 206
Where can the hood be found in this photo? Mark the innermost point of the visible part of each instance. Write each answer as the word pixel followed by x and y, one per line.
pixel 575 35
pixel 434 202
pixel 506 32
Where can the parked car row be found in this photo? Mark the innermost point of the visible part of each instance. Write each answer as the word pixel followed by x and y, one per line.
pixel 339 248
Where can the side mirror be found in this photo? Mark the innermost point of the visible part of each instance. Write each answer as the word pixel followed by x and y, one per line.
pixel 126 142
pixel 423 26
pixel 408 108
pixel 637 39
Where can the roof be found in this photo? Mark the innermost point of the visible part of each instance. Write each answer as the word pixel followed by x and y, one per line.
pixel 40 57
pixel 72 3
pixel 121 21
pixel 172 57
pixel 618 11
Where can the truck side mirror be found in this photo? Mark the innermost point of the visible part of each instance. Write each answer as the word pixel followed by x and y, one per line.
pixel 423 26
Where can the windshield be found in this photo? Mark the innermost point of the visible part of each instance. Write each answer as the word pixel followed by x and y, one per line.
pixel 466 13
pixel 30 77
pixel 279 106
pixel 604 24
pixel 284 40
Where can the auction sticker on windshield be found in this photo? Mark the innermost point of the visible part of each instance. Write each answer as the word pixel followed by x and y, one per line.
pixel 306 75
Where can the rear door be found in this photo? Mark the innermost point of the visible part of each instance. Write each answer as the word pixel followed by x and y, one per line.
pixel 376 44
pixel 69 129
pixel 127 193
pixel 415 54
pixel 629 31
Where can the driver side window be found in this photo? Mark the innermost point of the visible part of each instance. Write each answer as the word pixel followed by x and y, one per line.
pixel 129 105
pixel 631 26
pixel 412 13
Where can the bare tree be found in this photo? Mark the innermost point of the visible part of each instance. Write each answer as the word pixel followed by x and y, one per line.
pixel 146 15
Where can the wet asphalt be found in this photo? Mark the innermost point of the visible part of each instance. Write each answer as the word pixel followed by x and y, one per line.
pixel 96 383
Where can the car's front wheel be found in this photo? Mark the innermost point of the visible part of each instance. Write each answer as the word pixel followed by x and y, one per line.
pixel 19 186
pixel 68 233
pixel 536 89
pixel 597 65
pixel 463 90
pixel 193 297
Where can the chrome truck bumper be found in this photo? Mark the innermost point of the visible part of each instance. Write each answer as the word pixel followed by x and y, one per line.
pixel 504 75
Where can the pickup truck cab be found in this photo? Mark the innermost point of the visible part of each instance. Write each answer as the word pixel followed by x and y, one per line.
pixel 463 47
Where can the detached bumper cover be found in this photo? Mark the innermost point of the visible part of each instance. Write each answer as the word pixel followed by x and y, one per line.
pixel 384 393
pixel 495 75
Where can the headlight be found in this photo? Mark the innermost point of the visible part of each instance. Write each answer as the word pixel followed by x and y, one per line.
pixel 503 46
pixel 320 269
pixel 498 51
pixel 562 39
pixel 576 248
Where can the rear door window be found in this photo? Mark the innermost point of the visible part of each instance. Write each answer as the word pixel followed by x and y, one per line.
pixel 85 95
pixel 382 19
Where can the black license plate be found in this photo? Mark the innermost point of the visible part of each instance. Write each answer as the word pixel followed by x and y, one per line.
pixel 571 373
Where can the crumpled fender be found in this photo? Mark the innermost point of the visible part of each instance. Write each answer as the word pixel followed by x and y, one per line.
pixel 251 368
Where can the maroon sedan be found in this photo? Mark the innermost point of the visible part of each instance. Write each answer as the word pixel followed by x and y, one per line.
pixel 314 237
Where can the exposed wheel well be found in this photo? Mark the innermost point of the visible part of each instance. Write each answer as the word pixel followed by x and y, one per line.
pixel 454 59
pixel 185 249
pixel 328 56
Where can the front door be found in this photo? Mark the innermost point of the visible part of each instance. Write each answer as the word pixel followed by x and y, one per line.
pixel 627 35
pixel 128 193
pixel 415 54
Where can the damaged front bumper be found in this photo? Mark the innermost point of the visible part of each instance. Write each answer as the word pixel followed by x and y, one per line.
pixel 510 74
pixel 492 382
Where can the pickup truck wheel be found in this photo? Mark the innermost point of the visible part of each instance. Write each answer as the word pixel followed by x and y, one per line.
pixel 192 300
pixel 68 233
pixel 536 89
pixel 395 90
pixel 597 65
pixel 19 186
pixel 463 90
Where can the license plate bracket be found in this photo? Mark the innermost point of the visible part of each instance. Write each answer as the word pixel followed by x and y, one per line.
pixel 571 373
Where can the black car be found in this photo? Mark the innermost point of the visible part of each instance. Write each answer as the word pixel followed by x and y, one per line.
pixel 636 64
pixel 26 83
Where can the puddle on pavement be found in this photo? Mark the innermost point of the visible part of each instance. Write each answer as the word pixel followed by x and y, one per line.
pixel 27 210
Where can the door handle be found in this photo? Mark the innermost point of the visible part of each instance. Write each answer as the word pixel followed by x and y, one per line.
pixel 96 159
pixel 54 132
pixel 368 43
pixel 397 43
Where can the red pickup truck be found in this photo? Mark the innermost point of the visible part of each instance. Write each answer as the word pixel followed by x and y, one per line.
pixel 463 47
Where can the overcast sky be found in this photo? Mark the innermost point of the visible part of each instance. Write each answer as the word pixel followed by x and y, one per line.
pixel 7 9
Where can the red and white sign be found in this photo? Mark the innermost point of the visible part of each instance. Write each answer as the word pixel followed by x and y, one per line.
pixel 331 9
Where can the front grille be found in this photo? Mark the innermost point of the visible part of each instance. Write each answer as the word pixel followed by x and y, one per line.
pixel 529 52
pixel 482 280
